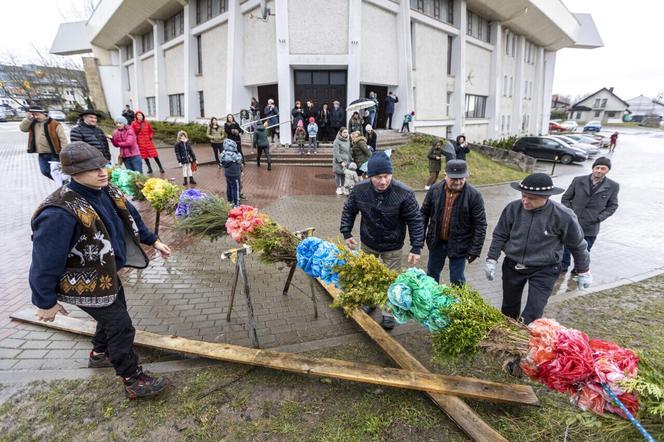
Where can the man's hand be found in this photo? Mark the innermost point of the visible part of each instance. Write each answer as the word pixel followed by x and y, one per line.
pixel 29 115
pixel 584 280
pixel 490 269
pixel 472 258
pixel 351 242
pixel 413 259
pixel 48 315
pixel 163 249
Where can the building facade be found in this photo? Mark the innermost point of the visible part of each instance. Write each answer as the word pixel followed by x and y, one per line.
pixel 603 105
pixel 479 67
pixel 642 108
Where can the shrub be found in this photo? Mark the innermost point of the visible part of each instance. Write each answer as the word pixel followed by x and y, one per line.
pixel 167 131
pixel 502 143
pixel 420 138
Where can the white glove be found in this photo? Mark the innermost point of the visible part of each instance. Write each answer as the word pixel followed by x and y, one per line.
pixel 583 280
pixel 490 269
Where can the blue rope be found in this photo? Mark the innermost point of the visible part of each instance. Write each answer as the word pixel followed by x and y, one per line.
pixel 631 418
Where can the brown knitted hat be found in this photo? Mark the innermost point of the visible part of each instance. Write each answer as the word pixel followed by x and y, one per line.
pixel 79 157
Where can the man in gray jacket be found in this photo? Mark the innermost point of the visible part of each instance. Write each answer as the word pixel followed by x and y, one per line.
pixel 532 232
pixel 593 198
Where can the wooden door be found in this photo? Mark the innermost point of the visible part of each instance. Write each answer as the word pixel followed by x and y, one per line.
pixel 381 91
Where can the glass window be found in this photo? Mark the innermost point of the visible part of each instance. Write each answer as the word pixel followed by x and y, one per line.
pixel 127 77
pixel 321 77
pixel 475 106
pixel 303 77
pixel 603 102
pixel 207 9
pixel 174 26
pixel 442 10
pixel 597 113
pixel 201 104
pixel 147 42
pixel 436 9
pixel 597 101
pixel 578 115
pixel 175 105
pixel 129 52
pixel 337 77
pixel 151 106
pixel 450 40
pixel 478 27
pixel 199 55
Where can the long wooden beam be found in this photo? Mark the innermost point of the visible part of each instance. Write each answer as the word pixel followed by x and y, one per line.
pixel 457 410
pixel 351 371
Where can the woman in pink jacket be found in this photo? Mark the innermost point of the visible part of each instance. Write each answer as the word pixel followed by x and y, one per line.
pixel 125 138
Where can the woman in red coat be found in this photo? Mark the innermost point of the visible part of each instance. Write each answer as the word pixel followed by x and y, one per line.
pixel 144 134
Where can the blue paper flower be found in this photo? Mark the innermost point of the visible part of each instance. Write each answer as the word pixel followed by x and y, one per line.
pixel 187 199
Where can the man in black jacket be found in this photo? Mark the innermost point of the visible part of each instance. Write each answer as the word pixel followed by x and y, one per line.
pixel 593 198
pixel 388 207
pixel 87 130
pixel 390 100
pixel 455 223
pixel 337 118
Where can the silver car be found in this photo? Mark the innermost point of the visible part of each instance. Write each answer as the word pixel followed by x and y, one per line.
pixel 588 148
pixel 57 115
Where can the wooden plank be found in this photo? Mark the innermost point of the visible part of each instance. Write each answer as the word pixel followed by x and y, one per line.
pixel 351 371
pixel 457 410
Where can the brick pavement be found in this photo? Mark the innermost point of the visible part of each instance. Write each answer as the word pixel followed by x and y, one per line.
pixel 188 294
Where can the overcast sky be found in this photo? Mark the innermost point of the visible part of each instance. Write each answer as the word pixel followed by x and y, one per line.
pixel 631 60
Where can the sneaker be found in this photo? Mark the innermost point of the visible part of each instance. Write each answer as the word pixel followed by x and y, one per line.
pixel 339 191
pixel 242 197
pixel 388 322
pixel 345 191
pixel 144 385
pixel 427 187
pixel 99 361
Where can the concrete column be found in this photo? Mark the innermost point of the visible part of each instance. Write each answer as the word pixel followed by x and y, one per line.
pixel 123 80
pixel 284 76
pixel 405 88
pixel 495 80
pixel 547 86
pixel 237 95
pixel 160 95
pixel 459 68
pixel 517 99
pixel 191 109
pixel 137 89
pixel 354 54
pixel 535 126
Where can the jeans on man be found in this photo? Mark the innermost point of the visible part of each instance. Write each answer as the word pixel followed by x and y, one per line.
pixel 567 256
pixel 115 334
pixel 436 263
pixel 44 166
pixel 133 163
pixel 540 285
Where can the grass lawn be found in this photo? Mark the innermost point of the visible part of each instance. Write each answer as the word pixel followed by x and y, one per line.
pixel 411 166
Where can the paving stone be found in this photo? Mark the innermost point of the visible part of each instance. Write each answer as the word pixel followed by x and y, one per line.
pixel 28 364
pixel 11 343
pixel 32 354
pixel 9 352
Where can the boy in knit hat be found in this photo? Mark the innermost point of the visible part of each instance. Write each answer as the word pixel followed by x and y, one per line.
pixel 351 178
pixel 82 235
pixel 231 161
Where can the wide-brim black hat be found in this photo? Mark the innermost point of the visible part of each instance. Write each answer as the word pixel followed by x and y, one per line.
pixel 89 112
pixel 539 184
pixel 37 109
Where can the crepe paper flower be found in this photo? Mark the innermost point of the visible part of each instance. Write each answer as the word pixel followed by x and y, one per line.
pixel 590 398
pixel 242 220
pixel 125 180
pixel 187 199
pixel 318 258
pixel 162 195
pixel 541 345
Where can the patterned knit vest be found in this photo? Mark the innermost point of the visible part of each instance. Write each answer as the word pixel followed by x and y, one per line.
pixel 90 278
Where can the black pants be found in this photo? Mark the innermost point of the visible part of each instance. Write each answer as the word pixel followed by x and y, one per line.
pixel 265 150
pixel 115 334
pixel 216 149
pixel 540 285
pixel 388 121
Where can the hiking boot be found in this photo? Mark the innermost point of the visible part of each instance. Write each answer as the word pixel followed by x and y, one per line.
pixel 186 180
pixel 99 361
pixel 388 322
pixel 368 309
pixel 192 181
pixel 269 167
pixel 144 385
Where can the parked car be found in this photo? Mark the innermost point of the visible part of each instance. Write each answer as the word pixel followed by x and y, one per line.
pixel 588 148
pixel 588 139
pixel 549 148
pixel 592 126
pixel 569 125
pixel 3 116
pixel 555 127
pixel 57 115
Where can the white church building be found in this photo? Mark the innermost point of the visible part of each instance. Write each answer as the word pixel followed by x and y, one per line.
pixel 480 67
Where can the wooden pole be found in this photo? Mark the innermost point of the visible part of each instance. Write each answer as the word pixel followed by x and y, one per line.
pixel 289 278
pixel 230 302
pixel 250 305
pixel 325 367
pixel 157 216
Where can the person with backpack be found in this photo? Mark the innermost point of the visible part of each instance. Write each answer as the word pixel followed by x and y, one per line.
pixel 406 121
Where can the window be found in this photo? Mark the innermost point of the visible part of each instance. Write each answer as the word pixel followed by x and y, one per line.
pixel 506 42
pixel 475 106
pixel 147 42
pixel 511 86
pixel 174 26
pixel 199 55
pixel 531 90
pixel 207 9
pixel 448 104
pixel 450 40
pixel 502 124
pixel 525 91
pixel 597 113
pixel 611 114
pixel 525 123
pixel 603 102
pixel 597 102
pixel 442 10
pixel 505 86
pixel 509 123
pixel 578 115
pixel 513 45
pixel 129 52
pixel 412 43
pixel 151 106
pixel 436 9
pixel 478 27
pixel 201 104
pixel 127 77
pixel 175 105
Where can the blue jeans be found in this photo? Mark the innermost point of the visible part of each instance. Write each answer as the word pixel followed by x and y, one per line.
pixel 567 256
pixel 133 163
pixel 372 118
pixel 436 263
pixel 233 190
pixel 44 167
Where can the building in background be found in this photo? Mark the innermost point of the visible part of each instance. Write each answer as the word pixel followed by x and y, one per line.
pixel 480 67
pixel 603 105
pixel 644 108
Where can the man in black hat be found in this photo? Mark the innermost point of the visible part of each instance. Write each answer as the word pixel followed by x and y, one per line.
pixel 388 207
pixel 82 234
pixel 532 233
pixel 46 137
pixel 593 198
pixel 455 223
pixel 87 130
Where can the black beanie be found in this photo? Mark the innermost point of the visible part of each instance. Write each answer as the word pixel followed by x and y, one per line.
pixel 602 161
pixel 379 163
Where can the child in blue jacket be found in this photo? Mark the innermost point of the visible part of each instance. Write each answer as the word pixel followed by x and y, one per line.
pixel 312 129
pixel 231 161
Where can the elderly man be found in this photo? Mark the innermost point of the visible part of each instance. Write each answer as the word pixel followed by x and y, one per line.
pixel 532 232
pixel 87 130
pixel 46 137
pixel 593 198
pixel 82 234
pixel 388 207
pixel 455 223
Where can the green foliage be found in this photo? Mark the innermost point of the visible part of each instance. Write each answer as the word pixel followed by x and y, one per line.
pixel 275 243
pixel 207 217
pixel 502 143
pixel 426 139
pixel 71 117
pixel 167 132
pixel 363 278
pixel 649 385
pixel 558 114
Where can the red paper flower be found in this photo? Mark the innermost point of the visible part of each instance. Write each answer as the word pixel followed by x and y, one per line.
pixel 591 398
pixel 242 220
pixel 573 364
pixel 541 345
pixel 630 402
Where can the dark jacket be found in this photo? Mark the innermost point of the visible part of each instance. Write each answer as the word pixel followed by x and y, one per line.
pixel 461 151
pixel 92 135
pixel 184 152
pixel 591 209
pixel 324 118
pixel 129 115
pixel 233 131
pixel 385 216
pixel 435 157
pixel 355 126
pixel 371 140
pixel 467 225
pixel 260 137
pixel 536 238
pixel 389 104
pixel 298 115
pixel 360 151
pixel 337 117
pixel 273 115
